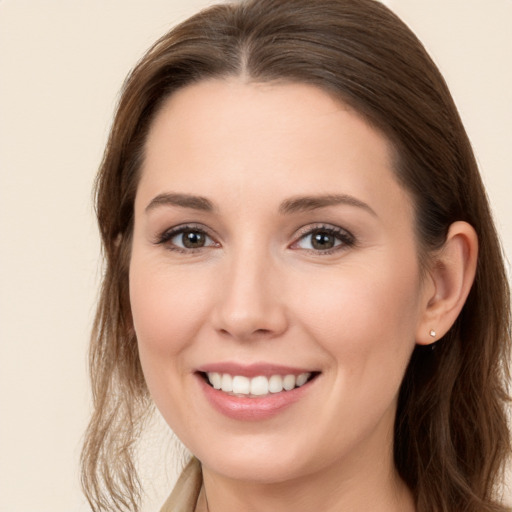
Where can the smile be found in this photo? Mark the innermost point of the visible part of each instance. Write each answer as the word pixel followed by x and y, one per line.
pixel 254 392
pixel 240 385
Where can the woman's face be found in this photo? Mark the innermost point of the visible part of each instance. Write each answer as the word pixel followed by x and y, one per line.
pixel 273 245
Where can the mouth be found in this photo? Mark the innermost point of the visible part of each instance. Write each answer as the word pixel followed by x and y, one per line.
pixel 254 392
pixel 258 386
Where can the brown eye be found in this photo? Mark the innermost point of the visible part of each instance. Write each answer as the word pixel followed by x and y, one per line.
pixel 186 238
pixel 324 239
pixel 193 239
pixel 321 240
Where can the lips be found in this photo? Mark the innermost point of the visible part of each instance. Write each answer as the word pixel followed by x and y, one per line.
pixel 253 392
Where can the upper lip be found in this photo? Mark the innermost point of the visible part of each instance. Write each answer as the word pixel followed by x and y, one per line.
pixel 252 370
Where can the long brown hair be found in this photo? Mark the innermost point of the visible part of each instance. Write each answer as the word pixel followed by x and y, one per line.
pixel 451 435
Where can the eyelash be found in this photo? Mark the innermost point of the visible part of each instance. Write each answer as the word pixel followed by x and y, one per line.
pixel 345 238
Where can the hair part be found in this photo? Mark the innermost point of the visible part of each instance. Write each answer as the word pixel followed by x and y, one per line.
pixel 451 432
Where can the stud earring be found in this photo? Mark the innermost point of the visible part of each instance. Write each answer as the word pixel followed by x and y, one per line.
pixel 432 333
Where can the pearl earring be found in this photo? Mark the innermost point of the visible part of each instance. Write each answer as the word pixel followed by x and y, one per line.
pixel 432 333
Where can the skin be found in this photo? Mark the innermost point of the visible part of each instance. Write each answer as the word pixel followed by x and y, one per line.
pixel 258 291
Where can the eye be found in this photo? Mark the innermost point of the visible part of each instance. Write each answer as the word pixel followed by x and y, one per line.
pixel 190 239
pixel 324 239
pixel 186 238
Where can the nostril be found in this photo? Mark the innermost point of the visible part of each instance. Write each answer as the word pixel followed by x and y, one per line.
pixel 249 334
pixel 263 332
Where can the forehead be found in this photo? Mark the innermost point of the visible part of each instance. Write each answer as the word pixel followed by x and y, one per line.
pixel 274 108
pixel 222 136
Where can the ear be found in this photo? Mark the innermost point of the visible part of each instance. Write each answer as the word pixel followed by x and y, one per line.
pixel 448 283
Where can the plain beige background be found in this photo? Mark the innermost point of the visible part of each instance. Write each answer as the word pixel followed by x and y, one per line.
pixel 61 66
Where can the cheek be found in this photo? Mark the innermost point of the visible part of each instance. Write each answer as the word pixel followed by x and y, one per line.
pixel 366 325
pixel 366 316
pixel 166 308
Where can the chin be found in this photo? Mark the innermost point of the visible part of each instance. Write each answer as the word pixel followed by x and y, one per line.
pixel 258 464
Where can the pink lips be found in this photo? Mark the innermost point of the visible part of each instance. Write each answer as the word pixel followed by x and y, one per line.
pixel 251 409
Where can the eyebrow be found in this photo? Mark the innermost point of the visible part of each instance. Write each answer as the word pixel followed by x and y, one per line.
pixel 308 203
pixel 289 206
pixel 182 200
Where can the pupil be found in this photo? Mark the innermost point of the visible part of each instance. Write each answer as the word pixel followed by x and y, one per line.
pixel 193 239
pixel 323 241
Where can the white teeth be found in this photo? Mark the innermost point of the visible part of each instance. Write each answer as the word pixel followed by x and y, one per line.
pixel 275 384
pixel 241 385
pixel 289 382
pixel 302 379
pixel 226 382
pixel 257 386
pixel 215 380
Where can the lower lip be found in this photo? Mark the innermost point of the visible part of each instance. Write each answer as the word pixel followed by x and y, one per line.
pixel 252 409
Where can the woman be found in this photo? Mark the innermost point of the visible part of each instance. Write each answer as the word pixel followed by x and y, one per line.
pixel 302 272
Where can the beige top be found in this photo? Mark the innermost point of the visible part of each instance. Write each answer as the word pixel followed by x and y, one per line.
pixel 188 493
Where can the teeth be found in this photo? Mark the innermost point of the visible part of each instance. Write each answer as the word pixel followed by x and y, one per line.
pixel 241 385
pixel 257 386
pixel 215 380
pixel 226 382
pixel 289 382
pixel 275 384
pixel 301 379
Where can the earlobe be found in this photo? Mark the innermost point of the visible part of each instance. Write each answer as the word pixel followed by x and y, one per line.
pixel 451 276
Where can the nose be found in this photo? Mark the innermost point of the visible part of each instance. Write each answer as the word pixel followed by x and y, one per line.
pixel 251 303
